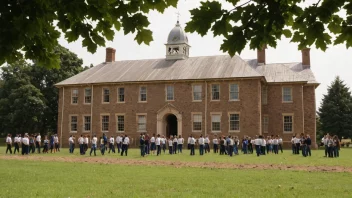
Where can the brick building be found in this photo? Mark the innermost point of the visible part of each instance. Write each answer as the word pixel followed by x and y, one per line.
pixel 189 95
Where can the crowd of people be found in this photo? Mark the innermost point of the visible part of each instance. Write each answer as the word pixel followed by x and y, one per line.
pixel 158 144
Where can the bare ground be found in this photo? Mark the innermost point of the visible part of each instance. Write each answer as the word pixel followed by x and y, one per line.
pixel 177 164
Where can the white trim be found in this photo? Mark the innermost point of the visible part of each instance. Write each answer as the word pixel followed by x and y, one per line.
pixel 229 121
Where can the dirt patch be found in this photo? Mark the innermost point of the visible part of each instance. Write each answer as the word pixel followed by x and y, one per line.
pixel 178 164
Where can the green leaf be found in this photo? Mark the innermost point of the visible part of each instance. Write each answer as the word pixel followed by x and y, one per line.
pixel 144 36
pixel 87 42
pixel 287 33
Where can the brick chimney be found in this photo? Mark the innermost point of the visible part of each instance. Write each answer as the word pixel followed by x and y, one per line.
pixel 261 56
pixel 306 57
pixel 110 54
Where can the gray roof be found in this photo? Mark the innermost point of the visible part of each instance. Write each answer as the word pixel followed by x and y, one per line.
pixel 193 68
pixel 177 35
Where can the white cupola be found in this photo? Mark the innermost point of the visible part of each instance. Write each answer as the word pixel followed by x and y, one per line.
pixel 177 44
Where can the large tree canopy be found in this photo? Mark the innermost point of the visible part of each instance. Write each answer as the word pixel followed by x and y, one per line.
pixel 335 112
pixel 263 22
pixel 33 27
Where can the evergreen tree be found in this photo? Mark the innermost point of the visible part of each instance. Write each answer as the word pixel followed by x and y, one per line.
pixel 335 111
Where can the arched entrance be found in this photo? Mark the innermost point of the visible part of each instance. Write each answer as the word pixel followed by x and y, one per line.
pixel 169 121
pixel 171 125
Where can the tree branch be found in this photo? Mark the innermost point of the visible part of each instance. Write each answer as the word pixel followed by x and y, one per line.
pixel 240 5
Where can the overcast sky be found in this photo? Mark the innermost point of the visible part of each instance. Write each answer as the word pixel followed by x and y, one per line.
pixel 336 61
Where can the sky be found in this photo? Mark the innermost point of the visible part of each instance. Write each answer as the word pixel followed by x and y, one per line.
pixel 335 61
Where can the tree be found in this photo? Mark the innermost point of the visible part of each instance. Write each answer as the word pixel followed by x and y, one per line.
pixel 263 22
pixel 335 111
pixel 34 27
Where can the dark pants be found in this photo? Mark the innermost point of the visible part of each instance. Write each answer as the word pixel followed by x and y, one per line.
pixel 304 150
pixel 267 148
pixel 57 147
pixel 94 148
pixel 244 149
pixel 175 147
pixel 118 145
pixel 293 149
pixel 9 148
pixel 326 150
pixel 170 150
pixel 250 148
pixel 275 147
pixel 262 149
pixel 297 148
pixel 192 149
pixel 38 146
pixel 102 149
pixel 25 149
pixel 147 149
pixel 336 151
pixel 17 148
pixel 111 147
pixel 280 147
pixel 201 149
pixel 158 150
pixel 222 149
pixel 308 151
pixel 31 148
pixel 189 146
pixel 81 149
pixel 257 149
pixel 45 149
pixel 215 148
pixel 207 148
pixel 235 149
pixel 230 150
pixel 164 148
pixel 330 151
pixel 179 147
pixel 142 148
pixel 124 149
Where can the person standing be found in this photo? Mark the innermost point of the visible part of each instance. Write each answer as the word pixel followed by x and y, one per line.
pixel 142 145
pixel 275 143
pixel 105 139
pixel 215 144
pixel 293 144
pixel 325 142
pixel 94 145
pixel 38 142
pixel 280 143
pixel 192 142
pixel 9 143
pixel 25 143
pixel 46 144
pixel 297 141
pixel 222 146
pixel 152 144
pixel 170 145
pixel 118 143
pixel 189 142
pixel 180 141
pixel 70 143
pixel 330 146
pixel 201 145
pixel 17 145
pixel 52 144
pixel 31 144
pixel 336 146
pixel 80 143
pixel 309 143
pixel 250 145
pixel 258 144
pixel 263 146
pixel 102 146
pixel 206 144
pixel 56 142
pixel 230 145
pixel 112 144
pixel 158 146
pixel 303 145
pixel 85 143
pixel 147 144
pixel 175 144
pixel 163 143
pixel 236 142
pixel 125 143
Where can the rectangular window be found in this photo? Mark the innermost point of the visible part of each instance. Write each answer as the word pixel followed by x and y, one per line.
pixel 74 96
pixel 143 94
pixel 120 123
pixel 197 122
pixel 87 121
pixel 87 95
pixel 215 122
pixel 106 95
pixel 73 123
pixel 287 94
pixel 234 121
pixel 142 123
pixel 169 92
pixel 265 124
pixel 105 123
pixel 197 92
pixel 288 123
pixel 215 92
pixel 234 92
pixel 264 95
pixel 121 94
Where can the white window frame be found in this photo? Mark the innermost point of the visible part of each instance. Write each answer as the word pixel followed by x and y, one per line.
pixel 84 123
pixel 137 122
pixel 211 91
pixel 238 92
pixel 140 94
pixel 283 122
pixel 265 124
pixel 193 92
pixel 103 95
pixel 167 93
pixel 283 94
pixel 118 94
pixel 239 122
pixel 201 121
pixel 265 95
pixel 70 123
pixel 211 121
pixel 101 122
pixel 117 122
pixel 85 95
pixel 74 96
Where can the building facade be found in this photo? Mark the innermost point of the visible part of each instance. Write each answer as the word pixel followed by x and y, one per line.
pixel 182 95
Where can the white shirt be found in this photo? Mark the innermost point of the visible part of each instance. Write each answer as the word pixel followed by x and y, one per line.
pixel 192 141
pixel 118 139
pixel 280 140
pixel 201 141
pixel 94 140
pixel 39 138
pixel 70 140
pixel 112 140
pixel 157 141
pixel 206 140
pixel 56 139
pixel 189 140
pixel 270 141
pixel 25 141
pixel 215 141
pixel 258 141
pixel 296 140
pixel 80 140
pixel 8 140
pixel 231 142
pixel 180 140
pixel 163 140
pixel 86 140
pixel 170 142
pixel 152 140
pixel 175 140
pixel 126 141
pixel 15 139
pixel 264 142
pixel 275 142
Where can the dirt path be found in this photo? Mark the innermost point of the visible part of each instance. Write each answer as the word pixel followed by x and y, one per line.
pixel 210 165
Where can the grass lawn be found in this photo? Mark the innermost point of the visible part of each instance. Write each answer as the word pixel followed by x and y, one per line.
pixel 27 178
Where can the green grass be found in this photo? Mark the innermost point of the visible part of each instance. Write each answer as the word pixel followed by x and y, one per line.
pixel 286 158
pixel 61 179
